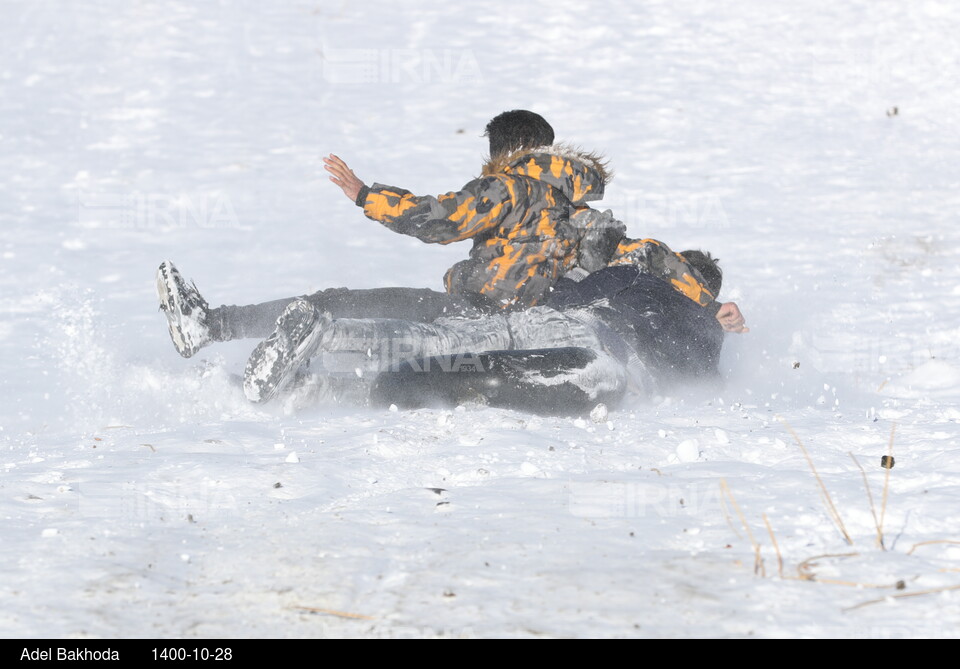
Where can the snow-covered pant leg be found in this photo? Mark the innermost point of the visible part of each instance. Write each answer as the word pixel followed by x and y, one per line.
pixel 544 327
pixel 257 321
pixel 392 341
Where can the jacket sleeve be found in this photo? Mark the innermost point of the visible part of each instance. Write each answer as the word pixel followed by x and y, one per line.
pixel 653 257
pixel 479 206
pixel 599 235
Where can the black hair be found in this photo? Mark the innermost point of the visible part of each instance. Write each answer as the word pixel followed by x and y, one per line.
pixel 517 129
pixel 709 268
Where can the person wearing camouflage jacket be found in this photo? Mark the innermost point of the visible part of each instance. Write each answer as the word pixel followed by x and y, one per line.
pixel 603 243
pixel 517 215
pixel 656 258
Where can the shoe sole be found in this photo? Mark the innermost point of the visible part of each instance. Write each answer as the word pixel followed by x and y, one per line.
pixel 167 292
pixel 272 365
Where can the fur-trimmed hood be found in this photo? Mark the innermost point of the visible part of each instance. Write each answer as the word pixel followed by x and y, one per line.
pixel 578 174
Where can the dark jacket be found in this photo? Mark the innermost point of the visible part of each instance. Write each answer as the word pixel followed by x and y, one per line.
pixel 517 214
pixel 672 336
pixel 653 257
pixel 602 242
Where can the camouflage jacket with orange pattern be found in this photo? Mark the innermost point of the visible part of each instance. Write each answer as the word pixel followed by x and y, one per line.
pixel 656 258
pixel 517 215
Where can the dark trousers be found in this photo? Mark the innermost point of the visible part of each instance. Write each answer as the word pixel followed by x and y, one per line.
pixel 421 305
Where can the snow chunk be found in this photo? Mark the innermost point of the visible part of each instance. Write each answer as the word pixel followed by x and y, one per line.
pixel 688 450
pixel 529 469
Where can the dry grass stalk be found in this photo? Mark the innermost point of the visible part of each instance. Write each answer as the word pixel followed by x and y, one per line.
pixel 919 593
pixel 805 574
pixel 927 543
pixel 831 508
pixel 331 612
pixel 803 569
pixel 776 546
pixel 856 584
pixel 726 512
pixel 873 508
pixel 757 560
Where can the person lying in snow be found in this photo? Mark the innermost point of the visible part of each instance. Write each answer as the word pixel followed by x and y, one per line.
pixel 641 325
pixel 691 274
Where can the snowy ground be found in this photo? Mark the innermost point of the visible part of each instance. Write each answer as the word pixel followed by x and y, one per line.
pixel 812 146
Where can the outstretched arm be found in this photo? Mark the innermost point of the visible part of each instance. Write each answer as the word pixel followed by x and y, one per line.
pixel 477 207
pixel 343 176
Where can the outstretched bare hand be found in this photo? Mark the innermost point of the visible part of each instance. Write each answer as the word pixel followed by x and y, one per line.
pixel 731 319
pixel 343 176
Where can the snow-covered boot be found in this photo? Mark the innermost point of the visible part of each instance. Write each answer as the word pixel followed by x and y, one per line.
pixel 275 361
pixel 185 309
